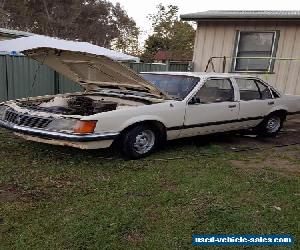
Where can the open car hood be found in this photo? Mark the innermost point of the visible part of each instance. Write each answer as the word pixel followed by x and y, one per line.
pixel 92 71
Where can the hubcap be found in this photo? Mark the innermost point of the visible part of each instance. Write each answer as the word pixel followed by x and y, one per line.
pixel 273 124
pixel 144 142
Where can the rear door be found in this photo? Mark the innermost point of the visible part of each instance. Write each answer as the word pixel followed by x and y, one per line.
pixel 213 108
pixel 256 101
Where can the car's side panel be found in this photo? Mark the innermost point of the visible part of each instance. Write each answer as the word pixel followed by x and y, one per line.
pixel 252 112
pixel 278 106
pixel 209 118
pixel 291 103
pixel 170 114
pixel 206 118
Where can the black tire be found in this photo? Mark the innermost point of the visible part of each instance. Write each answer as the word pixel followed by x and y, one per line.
pixel 131 142
pixel 271 125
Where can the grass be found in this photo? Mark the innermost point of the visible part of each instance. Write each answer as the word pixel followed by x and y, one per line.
pixel 61 198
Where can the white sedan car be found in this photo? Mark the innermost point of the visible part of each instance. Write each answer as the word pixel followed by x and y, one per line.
pixel 140 112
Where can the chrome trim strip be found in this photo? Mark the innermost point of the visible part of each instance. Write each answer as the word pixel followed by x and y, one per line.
pixel 215 123
pixel 57 135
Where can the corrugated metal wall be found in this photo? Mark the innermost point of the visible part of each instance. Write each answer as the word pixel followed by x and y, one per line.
pixel 178 67
pixel 21 77
pixel 150 67
pixel 218 39
pixel 28 78
pixel 67 86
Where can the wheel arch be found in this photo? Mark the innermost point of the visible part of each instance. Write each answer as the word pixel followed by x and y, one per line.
pixel 281 111
pixel 158 126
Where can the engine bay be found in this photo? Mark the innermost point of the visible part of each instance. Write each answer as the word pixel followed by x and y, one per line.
pixel 83 105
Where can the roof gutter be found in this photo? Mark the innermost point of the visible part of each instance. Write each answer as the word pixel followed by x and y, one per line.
pixel 224 18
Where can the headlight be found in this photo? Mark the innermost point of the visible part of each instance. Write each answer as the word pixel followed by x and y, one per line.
pixel 2 112
pixel 62 125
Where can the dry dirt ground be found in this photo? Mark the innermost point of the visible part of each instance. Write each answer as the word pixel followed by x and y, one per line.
pixel 290 134
pixel 281 153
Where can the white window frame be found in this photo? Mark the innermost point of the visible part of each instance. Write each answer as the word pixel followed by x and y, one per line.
pixel 273 52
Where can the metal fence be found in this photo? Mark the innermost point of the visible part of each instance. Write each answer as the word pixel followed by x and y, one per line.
pixel 147 67
pixel 179 66
pixel 150 67
pixel 21 77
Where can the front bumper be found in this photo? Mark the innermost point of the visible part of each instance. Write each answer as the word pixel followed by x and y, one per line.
pixel 104 136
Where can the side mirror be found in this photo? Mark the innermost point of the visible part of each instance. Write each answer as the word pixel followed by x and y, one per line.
pixel 194 101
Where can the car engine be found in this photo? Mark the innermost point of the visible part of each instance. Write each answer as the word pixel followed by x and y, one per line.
pixel 73 105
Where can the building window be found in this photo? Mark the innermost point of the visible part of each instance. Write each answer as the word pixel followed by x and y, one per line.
pixel 250 45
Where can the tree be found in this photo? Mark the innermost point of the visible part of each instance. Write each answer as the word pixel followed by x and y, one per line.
pixel 96 21
pixel 170 35
pixel 127 41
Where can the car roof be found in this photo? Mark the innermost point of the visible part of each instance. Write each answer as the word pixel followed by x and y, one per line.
pixel 199 74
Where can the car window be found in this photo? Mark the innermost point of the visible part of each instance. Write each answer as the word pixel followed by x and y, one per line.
pixel 248 89
pixel 216 90
pixel 264 90
pixel 177 86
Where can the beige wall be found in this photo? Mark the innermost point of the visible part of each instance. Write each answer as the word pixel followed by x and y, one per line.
pixel 218 39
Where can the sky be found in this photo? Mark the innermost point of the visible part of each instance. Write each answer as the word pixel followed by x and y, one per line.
pixel 139 9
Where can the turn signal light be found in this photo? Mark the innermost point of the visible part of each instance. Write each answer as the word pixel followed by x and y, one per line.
pixel 85 127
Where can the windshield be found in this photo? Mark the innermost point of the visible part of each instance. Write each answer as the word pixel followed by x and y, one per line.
pixel 175 86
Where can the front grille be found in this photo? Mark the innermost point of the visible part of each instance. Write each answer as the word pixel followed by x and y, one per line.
pixel 26 120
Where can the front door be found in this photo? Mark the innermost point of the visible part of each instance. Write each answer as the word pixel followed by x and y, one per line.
pixel 214 108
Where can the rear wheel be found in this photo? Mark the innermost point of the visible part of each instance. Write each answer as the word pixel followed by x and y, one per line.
pixel 138 142
pixel 271 125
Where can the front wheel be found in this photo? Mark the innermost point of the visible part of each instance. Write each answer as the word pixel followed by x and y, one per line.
pixel 138 142
pixel 271 125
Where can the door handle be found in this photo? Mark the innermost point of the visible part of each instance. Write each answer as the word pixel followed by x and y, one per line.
pixel 232 106
pixel 270 103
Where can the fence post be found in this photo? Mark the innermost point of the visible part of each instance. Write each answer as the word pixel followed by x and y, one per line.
pixel 168 65
pixel 6 77
pixel 56 83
